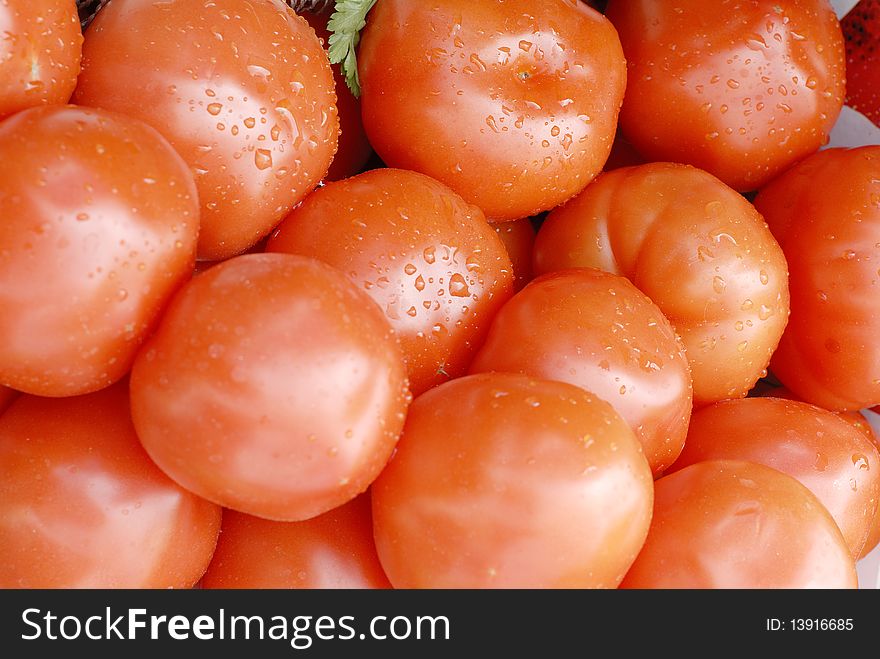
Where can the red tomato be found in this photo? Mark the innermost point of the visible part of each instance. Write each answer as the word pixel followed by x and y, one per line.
pixel 861 27
pixel 83 506
pixel 243 91
pixel 501 481
pixel 733 524
pixel 597 331
pixel 874 534
pixel 7 395
pixel 40 53
pixel 333 550
pixel 272 386
pixel 423 254
pixel 98 225
pixel 518 237
pixel 697 249
pixel 740 89
pixel 830 233
pixel 354 149
pixel 827 454
pixel 513 104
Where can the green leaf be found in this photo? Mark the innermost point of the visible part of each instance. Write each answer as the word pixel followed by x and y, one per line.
pixel 345 27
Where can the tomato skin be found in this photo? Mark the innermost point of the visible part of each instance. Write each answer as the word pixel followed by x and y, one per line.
pixel 595 330
pixel 518 237
pixel 830 233
pixel 734 524
pixel 98 228
pixel 333 550
pixel 488 97
pixel 83 506
pixel 427 258
pixel 7 395
pixel 829 455
pixel 40 52
pixel 272 386
pixel 252 113
pixel 696 248
pixel 740 90
pixel 354 149
pixel 500 481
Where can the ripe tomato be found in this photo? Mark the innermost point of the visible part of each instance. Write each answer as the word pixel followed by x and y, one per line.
pixel 40 53
pixel 830 233
pixel 861 27
pixel 513 104
pixel 272 386
pixel 243 91
pixel 597 331
pixel 501 481
pixel 354 149
pixel 423 254
pixel 740 89
pixel 518 237
pixel 98 225
pixel 733 524
pixel 829 455
pixel 697 249
pixel 333 550
pixel 83 506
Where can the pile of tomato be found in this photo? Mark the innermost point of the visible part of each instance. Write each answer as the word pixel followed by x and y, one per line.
pixel 568 297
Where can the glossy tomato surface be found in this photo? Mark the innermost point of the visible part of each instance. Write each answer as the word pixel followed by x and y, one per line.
pixel 83 506
pixel 273 386
pixel 242 90
pixel 354 149
pixel 98 225
pixel 518 237
pixel 513 104
pixel 597 331
pixel 333 550
pixel 829 455
pixel 502 481
pixel 740 89
pixel 734 524
pixel 40 53
pixel 694 246
pixel 7 395
pixel 830 233
pixel 428 259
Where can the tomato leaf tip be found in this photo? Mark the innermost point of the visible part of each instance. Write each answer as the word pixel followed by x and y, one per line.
pixel 345 25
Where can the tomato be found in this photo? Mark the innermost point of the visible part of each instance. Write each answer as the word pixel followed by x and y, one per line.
pixel 518 237
pixel 827 454
pixel 428 258
pixel 82 505
pixel 513 104
pixel 697 249
pixel 272 386
pixel 501 481
pixel 830 233
pixel 244 92
pixel 861 28
pixel 740 89
pixel 597 331
pixel 40 53
pixel 333 550
pixel 354 149
pixel 7 395
pixel 98 225
pixel 734 524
